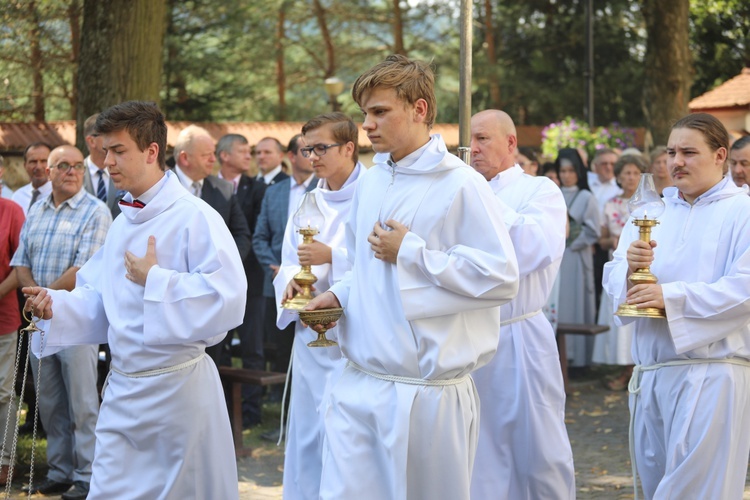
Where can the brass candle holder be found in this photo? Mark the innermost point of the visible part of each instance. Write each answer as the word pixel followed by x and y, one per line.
pixel 645 200
pixel 642 275
pixel 321 318
pixel 304 278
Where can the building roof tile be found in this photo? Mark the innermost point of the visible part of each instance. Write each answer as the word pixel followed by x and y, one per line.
pixel 733 93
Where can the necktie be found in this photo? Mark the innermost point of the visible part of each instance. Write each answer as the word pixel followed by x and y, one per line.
pixel 197 189
pixel 34 196
pixel 101 190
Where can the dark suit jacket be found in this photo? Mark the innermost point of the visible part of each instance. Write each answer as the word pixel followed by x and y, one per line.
pixel 278 178
pixel 269 230
pixel 249 195
pixel 113 194
pixel 219 194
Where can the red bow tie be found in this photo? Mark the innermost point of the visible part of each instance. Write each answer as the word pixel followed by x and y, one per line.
pixel 134 203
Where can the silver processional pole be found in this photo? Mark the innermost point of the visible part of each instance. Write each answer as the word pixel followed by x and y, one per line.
pixel 464 89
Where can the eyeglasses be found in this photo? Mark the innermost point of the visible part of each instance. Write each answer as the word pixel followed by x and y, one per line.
pixel 319 149
pixel 65 166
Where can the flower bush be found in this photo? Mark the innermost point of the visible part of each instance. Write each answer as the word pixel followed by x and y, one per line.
pixel 571 133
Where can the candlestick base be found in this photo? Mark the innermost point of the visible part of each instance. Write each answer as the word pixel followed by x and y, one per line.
pixel 630 311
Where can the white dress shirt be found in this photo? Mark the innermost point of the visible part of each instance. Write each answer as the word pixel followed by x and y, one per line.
pixel 267 178
pixel 22 196
pixel 296 192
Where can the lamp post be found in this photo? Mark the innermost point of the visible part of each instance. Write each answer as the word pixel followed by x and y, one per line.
pixel 334 87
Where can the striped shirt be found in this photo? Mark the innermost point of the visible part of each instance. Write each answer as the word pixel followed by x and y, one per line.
pixel 54 239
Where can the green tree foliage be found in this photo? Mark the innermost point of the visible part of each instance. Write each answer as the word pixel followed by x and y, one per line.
pixel 38 59
pixel 720 41
pixel 223 58
pixel 541 49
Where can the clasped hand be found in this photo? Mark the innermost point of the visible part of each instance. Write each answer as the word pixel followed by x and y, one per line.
pixel 386 244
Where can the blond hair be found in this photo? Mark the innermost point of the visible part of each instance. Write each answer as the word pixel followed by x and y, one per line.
pixel 186 137
pixel 411 79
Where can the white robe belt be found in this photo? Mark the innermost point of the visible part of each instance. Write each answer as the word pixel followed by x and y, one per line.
pixel 408 380
pixel 150 373
pixel 520 318
pixel 634 387
pixel 159 371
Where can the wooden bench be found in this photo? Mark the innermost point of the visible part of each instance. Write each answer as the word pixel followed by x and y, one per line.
pixel 564 329
pixel 234 378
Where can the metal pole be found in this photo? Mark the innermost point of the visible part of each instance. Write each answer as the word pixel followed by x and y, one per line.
pixel 464 89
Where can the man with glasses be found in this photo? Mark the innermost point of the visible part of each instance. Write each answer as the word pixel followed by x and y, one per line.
pixel 280 202
pixel 62 231
pixel 35 162
pixel 333 151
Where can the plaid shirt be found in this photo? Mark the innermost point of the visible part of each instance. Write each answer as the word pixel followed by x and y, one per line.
pixel 54 239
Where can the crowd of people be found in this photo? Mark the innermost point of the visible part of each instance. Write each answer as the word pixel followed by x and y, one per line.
pixel 445 381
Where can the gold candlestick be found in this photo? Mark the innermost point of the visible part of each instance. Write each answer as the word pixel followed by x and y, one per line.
pixel 642 275
pixel 304 278
pixel 645 201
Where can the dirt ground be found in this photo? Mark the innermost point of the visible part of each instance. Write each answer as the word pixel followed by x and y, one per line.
pixel 597 422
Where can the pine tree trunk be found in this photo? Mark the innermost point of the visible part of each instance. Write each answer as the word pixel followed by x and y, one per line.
pixel 121 54
pixel 280 72
pixel 492 69
pixel 398 29
pixel 37 64
pixel 668 65
pixel 74 19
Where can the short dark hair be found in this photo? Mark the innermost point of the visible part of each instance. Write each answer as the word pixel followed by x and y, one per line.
pixel 34 145
pixel 293 146
pixel 528 153
pixel 344 130
pixel 275 140
pixel 89 125
pixel 143 121
pixel 227 142
pixel 741 143
pixel 709 126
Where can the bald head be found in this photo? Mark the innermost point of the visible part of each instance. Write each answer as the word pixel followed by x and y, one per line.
pixel 195 152
pixel 65 167
pixel 493 142
pixel 69 154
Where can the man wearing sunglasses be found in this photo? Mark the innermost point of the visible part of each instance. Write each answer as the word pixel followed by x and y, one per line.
pixel 61 233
